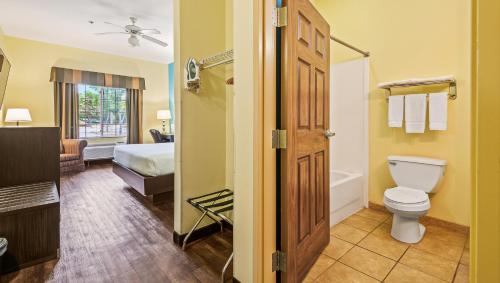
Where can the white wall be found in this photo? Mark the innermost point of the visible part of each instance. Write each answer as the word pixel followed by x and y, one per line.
pixel 348 113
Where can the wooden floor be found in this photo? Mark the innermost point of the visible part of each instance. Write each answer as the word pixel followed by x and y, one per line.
pixel 109 233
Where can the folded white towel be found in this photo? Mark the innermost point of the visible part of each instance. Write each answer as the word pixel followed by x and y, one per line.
pixel 396 103
pixel 415 110
pixel 438 111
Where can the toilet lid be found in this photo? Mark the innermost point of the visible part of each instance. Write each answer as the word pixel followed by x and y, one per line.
pixel 406 195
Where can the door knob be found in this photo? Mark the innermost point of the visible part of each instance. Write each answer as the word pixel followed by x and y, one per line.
pixel 329 134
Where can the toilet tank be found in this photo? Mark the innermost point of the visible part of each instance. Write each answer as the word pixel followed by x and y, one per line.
pixel 420 173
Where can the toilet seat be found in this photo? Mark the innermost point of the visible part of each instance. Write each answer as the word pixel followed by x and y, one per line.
pixel 406 195
pixel 406 199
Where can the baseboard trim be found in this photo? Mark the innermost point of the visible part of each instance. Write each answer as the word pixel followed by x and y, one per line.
pixel 200 233
pixel 378 207
pixel 428 220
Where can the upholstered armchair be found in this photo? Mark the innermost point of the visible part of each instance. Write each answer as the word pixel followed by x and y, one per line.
pixel 71 157
pixel 156 135
pixel 159 137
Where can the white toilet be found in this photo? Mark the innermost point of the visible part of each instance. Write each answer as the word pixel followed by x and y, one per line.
pixel 415 177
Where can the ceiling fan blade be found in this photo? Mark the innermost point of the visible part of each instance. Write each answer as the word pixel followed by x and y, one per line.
pixel 152 39
pixel 150 31
pixel 111 32
pixel 115 25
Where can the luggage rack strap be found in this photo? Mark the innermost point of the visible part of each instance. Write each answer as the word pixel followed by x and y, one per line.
pixel 222 196
pixel 193 199
pixel 219 204
pixel 227 208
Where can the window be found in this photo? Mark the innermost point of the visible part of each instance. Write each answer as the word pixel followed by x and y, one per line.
pixel 102 111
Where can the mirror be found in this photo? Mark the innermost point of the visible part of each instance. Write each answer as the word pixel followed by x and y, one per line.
pixel 4 75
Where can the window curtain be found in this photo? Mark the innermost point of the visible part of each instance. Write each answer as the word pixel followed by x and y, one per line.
pixel 66 99
pixel 94 78
pixel 66 109
pixel 134 116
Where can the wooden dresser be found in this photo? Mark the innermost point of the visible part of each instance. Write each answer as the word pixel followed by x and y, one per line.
pixel 29 195
pixel 29 217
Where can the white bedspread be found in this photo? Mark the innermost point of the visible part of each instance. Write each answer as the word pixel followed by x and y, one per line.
pixel 148 159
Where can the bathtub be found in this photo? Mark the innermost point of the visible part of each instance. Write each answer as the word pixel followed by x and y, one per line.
pixel 346 195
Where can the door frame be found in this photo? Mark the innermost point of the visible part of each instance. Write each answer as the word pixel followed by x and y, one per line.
pixel 269 155
pixel 267 174
pixel 264 156
pixel 267 108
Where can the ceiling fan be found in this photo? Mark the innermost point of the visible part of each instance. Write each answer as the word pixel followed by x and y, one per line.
pixel 135 33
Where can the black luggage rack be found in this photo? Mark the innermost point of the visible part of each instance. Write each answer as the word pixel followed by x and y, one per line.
pixel 213 205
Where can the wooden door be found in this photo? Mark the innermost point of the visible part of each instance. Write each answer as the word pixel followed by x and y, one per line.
pixel 305 161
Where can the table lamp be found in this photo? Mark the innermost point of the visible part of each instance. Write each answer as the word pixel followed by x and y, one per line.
pixel 18 115
pixel 163 115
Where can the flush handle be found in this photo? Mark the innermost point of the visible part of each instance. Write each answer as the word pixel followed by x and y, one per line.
pixel 329 134
pixel 392 163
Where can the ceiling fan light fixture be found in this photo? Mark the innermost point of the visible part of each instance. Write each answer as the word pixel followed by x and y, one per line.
pixel 135 32
pixel 133 40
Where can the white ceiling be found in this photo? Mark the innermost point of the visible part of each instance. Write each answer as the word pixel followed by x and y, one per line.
pixel 66 22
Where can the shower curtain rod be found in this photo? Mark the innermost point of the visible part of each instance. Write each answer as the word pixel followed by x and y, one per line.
pixel 365 54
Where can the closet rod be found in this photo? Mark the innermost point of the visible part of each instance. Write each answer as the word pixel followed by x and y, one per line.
pixel 365 54
pixel 225 57
pixel 227 61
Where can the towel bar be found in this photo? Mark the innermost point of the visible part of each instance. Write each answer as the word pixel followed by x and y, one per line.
pixel 449 80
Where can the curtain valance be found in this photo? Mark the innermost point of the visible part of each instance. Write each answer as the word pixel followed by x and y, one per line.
pixel 64 75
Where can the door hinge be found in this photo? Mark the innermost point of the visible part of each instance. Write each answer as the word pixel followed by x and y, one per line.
pixel 279 139
pixel 280 17
pixel 279 261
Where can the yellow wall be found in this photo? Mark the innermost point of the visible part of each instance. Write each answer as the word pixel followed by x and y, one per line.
pixel 485 247
pixel 409 39
pixel 246 234
pixel 200 117
pixel 229 100
pixel 29 85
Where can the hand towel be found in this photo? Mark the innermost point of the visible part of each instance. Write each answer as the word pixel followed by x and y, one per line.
pixel 438 111
pixel 396 107
pixel 415 110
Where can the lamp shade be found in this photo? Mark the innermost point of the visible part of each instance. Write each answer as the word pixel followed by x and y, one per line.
pixel 18 115
pixel 163 115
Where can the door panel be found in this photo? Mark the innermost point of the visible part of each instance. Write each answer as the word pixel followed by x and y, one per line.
pixel 304 188
pixel 319 184
pixel 305 116
pixel 319 91
pixel 320 43
pixel 304 30
pixel 304 81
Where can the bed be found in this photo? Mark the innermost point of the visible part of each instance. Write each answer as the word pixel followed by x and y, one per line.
pixel 148 168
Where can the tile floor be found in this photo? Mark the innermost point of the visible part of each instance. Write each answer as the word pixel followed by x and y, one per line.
pixel 361 250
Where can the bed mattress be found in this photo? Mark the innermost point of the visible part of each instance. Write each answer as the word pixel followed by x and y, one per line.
pixel 147 159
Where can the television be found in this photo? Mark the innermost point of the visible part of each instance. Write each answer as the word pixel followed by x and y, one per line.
pixel 4 75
